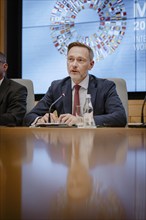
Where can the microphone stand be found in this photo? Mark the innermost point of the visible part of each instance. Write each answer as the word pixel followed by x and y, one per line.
pixel 49 117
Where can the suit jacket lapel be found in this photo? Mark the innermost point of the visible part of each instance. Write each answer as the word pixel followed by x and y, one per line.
pixel 67 100
pixel 92 89
pixel 3 89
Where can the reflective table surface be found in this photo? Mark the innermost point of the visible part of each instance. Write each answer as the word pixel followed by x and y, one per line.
pixel 71 173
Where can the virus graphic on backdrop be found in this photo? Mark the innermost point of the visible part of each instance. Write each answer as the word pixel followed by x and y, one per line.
pixel 105 39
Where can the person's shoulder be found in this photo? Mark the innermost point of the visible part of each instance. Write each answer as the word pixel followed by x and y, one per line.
pixel 15 85
pixel 100 81
pixel 61 81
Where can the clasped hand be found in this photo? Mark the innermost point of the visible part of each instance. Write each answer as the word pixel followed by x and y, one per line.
pixel 68 119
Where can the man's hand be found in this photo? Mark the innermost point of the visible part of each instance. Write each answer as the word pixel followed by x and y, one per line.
pixel 44 119
pixel 67 119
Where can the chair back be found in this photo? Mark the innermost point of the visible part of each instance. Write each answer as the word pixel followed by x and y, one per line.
pixel 30 89
pixel 122 92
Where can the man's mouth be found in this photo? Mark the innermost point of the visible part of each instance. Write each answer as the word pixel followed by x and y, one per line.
pixel 74 71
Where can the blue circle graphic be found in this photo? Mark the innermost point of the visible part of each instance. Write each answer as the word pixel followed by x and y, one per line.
pixel 105 33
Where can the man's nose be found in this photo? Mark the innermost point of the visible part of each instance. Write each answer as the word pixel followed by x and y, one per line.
pixel 75 63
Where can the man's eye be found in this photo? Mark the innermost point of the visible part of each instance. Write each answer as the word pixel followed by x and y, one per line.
pixel 70 59
pixel 80 60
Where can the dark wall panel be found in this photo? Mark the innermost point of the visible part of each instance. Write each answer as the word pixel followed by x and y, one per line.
pixel 14 25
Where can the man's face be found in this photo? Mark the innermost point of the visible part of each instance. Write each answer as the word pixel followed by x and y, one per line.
pixel 78 63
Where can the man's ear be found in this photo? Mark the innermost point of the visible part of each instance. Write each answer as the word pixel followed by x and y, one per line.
pixel 5 66
pixel 91 64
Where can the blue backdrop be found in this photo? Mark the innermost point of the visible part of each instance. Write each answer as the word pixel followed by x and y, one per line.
pixel 116 30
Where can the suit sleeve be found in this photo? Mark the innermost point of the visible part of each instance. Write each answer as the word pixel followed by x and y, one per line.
pixel 16 107
pixel 112 112
pixel 41 108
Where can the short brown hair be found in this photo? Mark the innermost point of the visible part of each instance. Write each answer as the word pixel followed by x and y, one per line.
pixel 79 44
pixel 3 58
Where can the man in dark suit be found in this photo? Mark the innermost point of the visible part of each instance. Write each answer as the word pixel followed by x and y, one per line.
pixel 12 98
pixel 107 106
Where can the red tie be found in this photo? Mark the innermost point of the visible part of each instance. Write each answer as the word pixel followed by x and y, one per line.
pixel 76 98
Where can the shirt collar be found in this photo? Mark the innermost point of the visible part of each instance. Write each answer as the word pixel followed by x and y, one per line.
pixel 83 84
pixel 1 81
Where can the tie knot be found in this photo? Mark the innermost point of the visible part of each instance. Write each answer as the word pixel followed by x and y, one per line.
pixel 77 87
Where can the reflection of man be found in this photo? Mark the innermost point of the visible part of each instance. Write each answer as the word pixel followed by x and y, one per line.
pixel 95 150
pixel 84 196
pixel 79 180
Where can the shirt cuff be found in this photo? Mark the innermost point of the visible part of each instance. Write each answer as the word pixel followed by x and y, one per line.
pixel 35 121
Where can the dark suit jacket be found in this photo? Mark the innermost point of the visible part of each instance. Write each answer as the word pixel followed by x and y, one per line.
pixel 108 108
pixel 12 103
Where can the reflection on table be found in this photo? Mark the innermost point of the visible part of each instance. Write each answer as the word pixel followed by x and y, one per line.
pixel 72 173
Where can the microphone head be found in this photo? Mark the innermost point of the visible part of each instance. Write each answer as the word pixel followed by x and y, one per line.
pixel 63 94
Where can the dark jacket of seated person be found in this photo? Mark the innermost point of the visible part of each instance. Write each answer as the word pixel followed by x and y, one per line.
pixel 12 98
pixel 107 106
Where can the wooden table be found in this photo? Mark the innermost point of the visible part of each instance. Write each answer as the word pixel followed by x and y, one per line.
pixel 63 174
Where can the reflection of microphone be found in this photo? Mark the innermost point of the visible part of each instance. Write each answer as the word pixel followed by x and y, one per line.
pixel 49 118
pixel 142 110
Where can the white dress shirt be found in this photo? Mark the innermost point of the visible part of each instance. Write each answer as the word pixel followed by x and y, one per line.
pixel 1 81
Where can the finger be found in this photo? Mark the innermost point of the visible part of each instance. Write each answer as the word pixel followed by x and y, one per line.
pixel 72 121
pixel 61 118
pixel 69 119
pixel 54 118
pixel 41 120
pixel 46 118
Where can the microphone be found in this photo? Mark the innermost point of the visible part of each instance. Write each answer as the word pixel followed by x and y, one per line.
pixel 49 118
pixel 142 110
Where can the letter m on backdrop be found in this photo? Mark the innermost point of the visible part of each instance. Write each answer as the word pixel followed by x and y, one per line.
pixel 138 10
